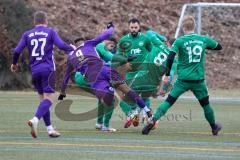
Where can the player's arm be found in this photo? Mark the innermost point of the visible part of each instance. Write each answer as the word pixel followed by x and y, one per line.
pixel 159 36
pixel 65 81
pixel 212 44
pixel 173 68
pixel 148 44
pixel 105 35
pixel 105 54
pixel 60 43
pixel 17 51
pixel 120 47
pixel 170 59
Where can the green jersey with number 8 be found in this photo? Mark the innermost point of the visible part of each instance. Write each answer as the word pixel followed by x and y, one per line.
pixel 191 51
pixel 155 62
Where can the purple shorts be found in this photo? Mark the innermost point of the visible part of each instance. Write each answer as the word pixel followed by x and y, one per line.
pixel 44 82
pixel 103 86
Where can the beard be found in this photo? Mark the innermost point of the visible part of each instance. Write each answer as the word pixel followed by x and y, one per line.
pixel 134 34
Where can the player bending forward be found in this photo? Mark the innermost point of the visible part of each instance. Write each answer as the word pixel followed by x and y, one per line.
pixel 101 78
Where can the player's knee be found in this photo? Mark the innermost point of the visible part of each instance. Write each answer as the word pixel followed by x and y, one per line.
pixel 49 96
pixel 171 100
pixel 108 99
pixel 204 101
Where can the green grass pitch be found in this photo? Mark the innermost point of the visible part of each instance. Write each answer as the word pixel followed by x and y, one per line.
pixel 183 135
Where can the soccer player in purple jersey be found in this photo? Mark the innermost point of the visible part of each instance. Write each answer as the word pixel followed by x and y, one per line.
pixel 40 41
pixel 101 78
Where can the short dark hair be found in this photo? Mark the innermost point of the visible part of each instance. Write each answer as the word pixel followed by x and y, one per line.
pixel 79 39
pixel 113 39
pixel 134 20
pixel 40 17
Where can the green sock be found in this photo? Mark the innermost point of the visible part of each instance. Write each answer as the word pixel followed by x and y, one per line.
pixel 161 110
pixel 100 112
pixel 147 102
pixel 108 111
pixel 125 107
pixel 209 114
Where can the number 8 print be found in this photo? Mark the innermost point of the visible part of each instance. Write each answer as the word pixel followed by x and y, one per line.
pixel 160 58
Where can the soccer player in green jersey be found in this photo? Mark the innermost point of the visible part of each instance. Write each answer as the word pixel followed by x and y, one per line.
pixel 190 70
pixel 135 44
pixel 148 81
pixel 104 115
pixel 105 49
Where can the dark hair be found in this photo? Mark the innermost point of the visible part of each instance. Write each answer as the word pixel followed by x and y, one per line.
pixel 134 20
pixel 113 39
pixel 79 39
pixel 40 17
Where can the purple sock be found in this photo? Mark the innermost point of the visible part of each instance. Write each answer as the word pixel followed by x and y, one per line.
pixel 134 96
pixel 46 118
pixel 43 108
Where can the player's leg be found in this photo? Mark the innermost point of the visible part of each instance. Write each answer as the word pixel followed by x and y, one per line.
pixel 33 123
pixel 45 84
pixel 124 104
pixel 46 116
pixel 134 97
pixel 201 93
pixel 178 89
pixel 83 84
pixel 131 112
pixel 141 83
pixel 100 114
pixel 108 111
pixel 125 107
pixel 148 104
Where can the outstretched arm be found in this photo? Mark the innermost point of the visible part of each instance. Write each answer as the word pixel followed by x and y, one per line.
pixel 66 79
pixel 105 54
pixel 105 35
pixel 60 43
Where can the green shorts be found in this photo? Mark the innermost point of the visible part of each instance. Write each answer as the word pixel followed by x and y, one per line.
pixel 199 89
pixel 143 85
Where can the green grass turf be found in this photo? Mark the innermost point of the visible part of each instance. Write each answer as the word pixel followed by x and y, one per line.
pixel 178 139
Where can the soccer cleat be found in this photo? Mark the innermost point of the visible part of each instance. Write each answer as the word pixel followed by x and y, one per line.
pixel 216 129
pixel 108 129
pixel 33 125
pixel 135 121
pixel 128 122
pixel 148 127
pixel 155 125
pixel 130 119
pixel 54 134
pixel 98 126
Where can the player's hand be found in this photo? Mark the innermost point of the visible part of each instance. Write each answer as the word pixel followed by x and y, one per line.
pixel 61 96
pixel 109 25
pixel 14 67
